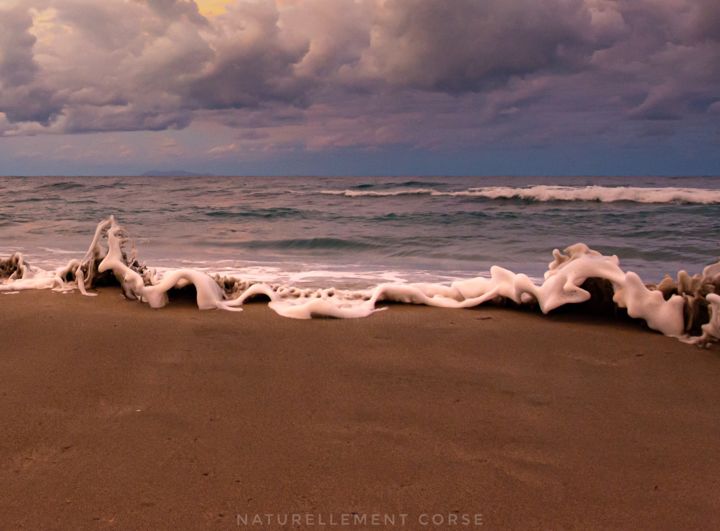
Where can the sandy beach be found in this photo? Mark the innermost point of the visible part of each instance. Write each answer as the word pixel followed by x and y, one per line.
pixel 359 264
pixel 117 415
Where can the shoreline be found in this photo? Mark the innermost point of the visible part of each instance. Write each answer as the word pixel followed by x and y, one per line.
pixel 118 415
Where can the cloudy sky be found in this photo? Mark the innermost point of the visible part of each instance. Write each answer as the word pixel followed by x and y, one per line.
pixel 360 86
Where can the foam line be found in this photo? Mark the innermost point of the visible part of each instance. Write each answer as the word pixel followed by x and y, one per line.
pixel 545 193
pixel 674 308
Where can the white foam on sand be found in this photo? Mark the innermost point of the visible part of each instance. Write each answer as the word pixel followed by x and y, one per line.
pixel 671 308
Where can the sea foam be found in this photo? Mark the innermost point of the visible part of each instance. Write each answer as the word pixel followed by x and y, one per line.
pixel 546 193
pixel 687 308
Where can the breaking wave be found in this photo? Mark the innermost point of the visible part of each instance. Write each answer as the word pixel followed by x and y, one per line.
pixel 687 307
pixel 546 193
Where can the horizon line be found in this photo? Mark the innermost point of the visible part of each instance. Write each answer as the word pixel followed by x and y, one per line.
pixel 360 175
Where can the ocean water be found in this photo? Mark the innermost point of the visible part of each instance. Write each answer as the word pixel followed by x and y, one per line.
pixel 360 231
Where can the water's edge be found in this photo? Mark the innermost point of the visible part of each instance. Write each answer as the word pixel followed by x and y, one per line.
pixel 687 308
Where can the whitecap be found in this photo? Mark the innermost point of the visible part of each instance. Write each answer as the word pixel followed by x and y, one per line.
pixel 546 193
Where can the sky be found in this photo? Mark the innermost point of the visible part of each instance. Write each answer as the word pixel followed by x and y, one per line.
pixel 360 87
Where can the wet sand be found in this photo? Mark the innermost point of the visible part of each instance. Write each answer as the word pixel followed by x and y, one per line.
pixel 116 415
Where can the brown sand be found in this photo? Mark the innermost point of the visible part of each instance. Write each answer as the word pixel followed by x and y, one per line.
pixel 116 415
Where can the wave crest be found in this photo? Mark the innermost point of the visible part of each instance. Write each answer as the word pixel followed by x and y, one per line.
pixel 546 193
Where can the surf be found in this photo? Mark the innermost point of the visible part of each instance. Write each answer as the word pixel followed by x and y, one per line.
pixel 675 308
pixel 547 193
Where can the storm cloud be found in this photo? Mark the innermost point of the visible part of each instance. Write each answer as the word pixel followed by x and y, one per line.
pixel 329 73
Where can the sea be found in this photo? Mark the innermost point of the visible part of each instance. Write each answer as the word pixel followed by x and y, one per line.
pixel 355 232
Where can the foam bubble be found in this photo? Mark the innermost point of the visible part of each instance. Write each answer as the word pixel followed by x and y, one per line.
pixel 674 308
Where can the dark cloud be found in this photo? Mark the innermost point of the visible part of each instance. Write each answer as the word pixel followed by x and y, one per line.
pixel 466 45
pixel 253 63
pixel 22 97
pixel 123 118
pixel 29 104
pixel 174 9
pixel 667 63
pixel 17 64
pixel 707 20
pixel 360 72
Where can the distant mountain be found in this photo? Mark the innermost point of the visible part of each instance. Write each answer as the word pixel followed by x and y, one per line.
pixel 174 173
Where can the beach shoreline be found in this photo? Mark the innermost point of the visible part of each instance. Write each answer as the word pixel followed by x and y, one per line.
pixel 118 415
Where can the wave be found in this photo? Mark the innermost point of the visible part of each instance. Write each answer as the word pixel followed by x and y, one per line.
pixel 383 193
pixel 308 244
pixel 260 213
pixel 62 185
pixel 403 184
pixel 546 193
pixel 674 308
